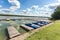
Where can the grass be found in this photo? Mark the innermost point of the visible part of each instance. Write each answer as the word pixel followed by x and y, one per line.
pixel 50 33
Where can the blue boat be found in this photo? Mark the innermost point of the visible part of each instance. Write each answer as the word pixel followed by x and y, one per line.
pixel 43 22
pixel 31 25
pixel 40 24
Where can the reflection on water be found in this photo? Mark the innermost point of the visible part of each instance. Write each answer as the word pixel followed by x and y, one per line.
pixel 5 24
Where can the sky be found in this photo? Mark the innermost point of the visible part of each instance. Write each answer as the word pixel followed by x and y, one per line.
pixel 28 7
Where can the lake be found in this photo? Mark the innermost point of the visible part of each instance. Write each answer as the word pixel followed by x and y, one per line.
pixel 16 24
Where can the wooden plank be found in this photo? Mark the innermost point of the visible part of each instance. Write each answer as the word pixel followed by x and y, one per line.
pixel 26 27
pixel 12 32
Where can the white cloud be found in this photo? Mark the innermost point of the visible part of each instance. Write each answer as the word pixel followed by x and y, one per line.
pixel 58 0
pixel 35 7
pixel 53 5
pixel 46 10
pixel 0 6
pixel 28 9
pixel 35 10
pixel 31 11
pixel 24 11
pixel 15 6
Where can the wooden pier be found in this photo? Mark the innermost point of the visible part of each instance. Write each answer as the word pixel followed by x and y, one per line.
pixel 26 27
pixel 12 32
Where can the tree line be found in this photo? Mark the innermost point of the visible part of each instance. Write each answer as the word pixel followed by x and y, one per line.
pixel 56 14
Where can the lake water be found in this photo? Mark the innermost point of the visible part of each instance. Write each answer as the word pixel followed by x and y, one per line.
pixel 16 24
pixel 5 24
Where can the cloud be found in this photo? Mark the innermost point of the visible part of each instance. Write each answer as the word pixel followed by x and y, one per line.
pixel 28 9
pixel 49 8
pixel 53 5
pixel 35 10
pixel 0 6
pixel 35 7
pixel 58 0
pixel 45 10
pixel 31 11
pixel 15 6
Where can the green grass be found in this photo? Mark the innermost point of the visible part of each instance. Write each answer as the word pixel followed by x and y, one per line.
pixel 50 33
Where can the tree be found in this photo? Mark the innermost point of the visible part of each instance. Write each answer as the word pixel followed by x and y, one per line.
pixel 58 8
pixel 56 14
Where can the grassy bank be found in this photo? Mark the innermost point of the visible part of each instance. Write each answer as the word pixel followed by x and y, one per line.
pixel 50 33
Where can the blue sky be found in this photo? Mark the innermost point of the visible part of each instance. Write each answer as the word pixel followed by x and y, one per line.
pixel 28 7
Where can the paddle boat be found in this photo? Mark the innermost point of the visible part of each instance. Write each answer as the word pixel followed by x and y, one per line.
pixel 32 25
pixel 41 23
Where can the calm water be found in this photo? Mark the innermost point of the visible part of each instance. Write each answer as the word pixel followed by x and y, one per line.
pixel 16 24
